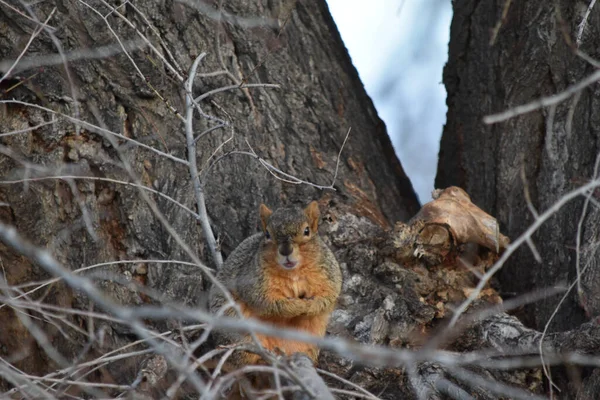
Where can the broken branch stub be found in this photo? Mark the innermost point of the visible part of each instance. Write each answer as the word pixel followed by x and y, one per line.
pixel 450 220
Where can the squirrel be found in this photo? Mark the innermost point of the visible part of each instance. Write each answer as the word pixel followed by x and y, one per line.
pixel 285 275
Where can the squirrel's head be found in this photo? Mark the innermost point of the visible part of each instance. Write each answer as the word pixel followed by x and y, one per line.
pixel 288 230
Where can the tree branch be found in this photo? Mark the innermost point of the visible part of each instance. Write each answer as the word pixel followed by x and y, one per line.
pixel 191 148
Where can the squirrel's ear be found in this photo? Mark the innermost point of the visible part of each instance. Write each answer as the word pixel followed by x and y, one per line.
pixel 313 214
pixel 265 212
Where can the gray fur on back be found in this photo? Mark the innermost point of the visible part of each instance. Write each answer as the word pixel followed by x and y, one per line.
pixel 243 255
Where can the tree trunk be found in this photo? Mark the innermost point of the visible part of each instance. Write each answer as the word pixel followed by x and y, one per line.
pixel 138 96
pixel 546 153
pixel 96 170
pixel 505 54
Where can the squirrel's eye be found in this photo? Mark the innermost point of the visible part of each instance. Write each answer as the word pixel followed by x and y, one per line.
pixel 306 231
pixel 267 235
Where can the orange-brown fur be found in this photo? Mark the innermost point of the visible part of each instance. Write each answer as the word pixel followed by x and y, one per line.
pixel 306 281
pixel 299 297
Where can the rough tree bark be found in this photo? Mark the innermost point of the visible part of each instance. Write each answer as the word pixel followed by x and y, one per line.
pixel 298 128
pixel 504 54
pixel 59 171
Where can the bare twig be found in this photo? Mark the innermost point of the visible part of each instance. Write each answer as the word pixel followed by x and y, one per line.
pixel 493 386
pixel 577 281
pixel 97 178
pixel 252 22
pixel 155 51
pixel 281 175
pixel 57 43
pixel 571 114
pixel 31 128
pixel 31 38
pixel 532 210
pixel 580 230
pixel 374 355
pixel 501 21
pixel 365 392
pixel 97 129
pixel 10 236
pixel 550 135
pixel 544 101
pixel 339 156
pixel 46 60
pixel 583 23
pixel 157 34
pixel 40 285
pixel 209 130
pixel 22 14
pixel 133 63
pixel 517 243
pixel 191 148
pixel 232 87
pixel 314 386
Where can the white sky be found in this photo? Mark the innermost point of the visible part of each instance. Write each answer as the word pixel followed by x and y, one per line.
pixel 399 48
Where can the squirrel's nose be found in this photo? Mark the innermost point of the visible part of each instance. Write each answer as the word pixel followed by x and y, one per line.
pixel 285 249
